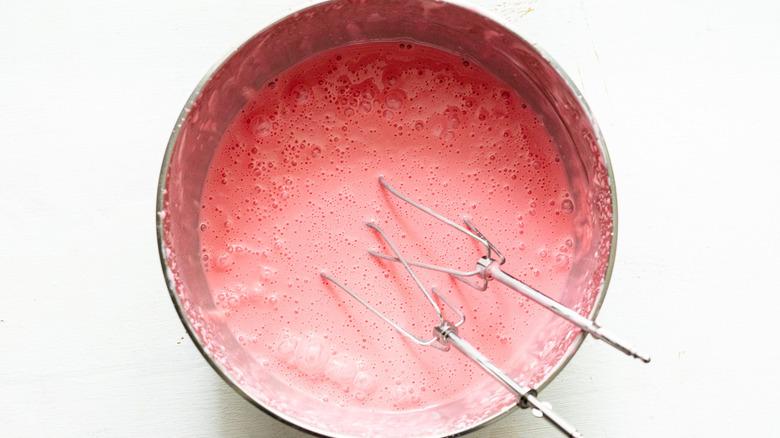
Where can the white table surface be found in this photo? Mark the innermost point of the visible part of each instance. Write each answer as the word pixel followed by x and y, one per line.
pixel 687 96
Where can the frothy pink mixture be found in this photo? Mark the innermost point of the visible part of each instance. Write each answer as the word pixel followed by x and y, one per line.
pixel 295 179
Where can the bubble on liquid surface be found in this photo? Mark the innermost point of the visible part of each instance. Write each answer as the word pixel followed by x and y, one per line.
pixel 312 354
pixel 399 394
pixel 394 100
pixel 256 292
pixel 562 260
pixel 286 347
pixel 267 273
pixel 341 369
pixel 261 126
pixel 233 301
pixel 364 381
pixel 364 384
pixel 390 77
pixel 567 206
pixel 300 94
pixel 222 261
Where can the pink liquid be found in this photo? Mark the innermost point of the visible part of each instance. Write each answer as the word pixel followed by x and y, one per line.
pixel 296 178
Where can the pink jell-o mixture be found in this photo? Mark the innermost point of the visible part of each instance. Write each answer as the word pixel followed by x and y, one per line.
pixel 295 179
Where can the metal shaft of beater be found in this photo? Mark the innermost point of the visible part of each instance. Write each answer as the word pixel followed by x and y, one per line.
pixel 526 396
pixel 493 272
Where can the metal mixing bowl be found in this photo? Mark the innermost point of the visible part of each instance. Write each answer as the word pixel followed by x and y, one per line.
pixel 456 28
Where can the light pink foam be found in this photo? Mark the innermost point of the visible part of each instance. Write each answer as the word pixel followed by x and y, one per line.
pixel 296 178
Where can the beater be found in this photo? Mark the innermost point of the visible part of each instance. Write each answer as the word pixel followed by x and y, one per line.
pixel 489 268
pixel 445 334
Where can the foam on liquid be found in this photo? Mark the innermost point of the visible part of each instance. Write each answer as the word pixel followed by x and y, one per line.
pixel 295 179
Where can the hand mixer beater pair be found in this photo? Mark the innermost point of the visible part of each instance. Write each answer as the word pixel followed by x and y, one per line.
pixel 488 267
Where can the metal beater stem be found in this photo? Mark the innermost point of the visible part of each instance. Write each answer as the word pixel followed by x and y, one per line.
pixel 525 395
pixel 493 271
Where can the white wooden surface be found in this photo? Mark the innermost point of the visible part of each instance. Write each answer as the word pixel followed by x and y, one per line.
pixel 687 96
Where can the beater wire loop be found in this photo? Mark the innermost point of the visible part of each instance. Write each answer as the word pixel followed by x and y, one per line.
pixel 445 335
pixel 435 341
pixel 488 268
pixel 408 269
